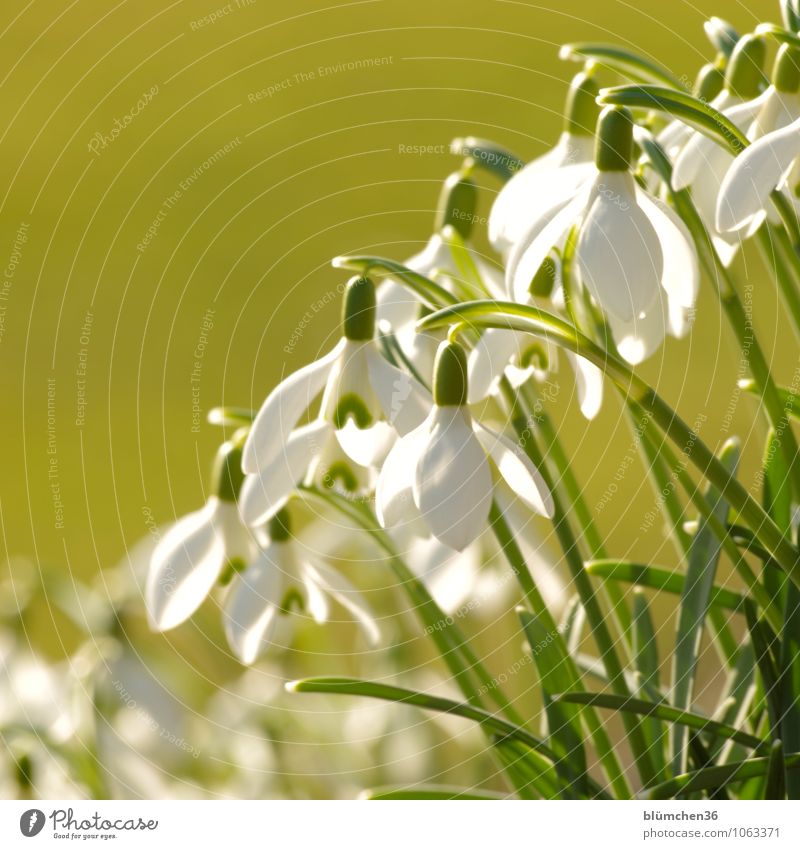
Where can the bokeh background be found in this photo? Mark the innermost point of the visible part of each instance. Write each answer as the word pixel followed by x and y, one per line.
pixel 183 261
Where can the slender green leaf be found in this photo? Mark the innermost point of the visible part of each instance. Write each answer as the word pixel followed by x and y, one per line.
pixel 664 712
pixel 658 578
pixel 704 553
pixel 766 649
pixel 790 399
pixel 431 294
pixel 490 156
pixel 776 773
pixel 471 282
pixel 556 674
pixel 647 663
pixel 428 791
pixel 530 775
pixel 715 776
pixel 681 105
pixel 618 59
pixel 387 692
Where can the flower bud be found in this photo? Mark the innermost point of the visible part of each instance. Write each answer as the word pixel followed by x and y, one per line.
pixel 457 203
pixel 358 310
pixel 745 75
pixel 450 376
pixel 582 108
pixel 614 147
pixel 786 71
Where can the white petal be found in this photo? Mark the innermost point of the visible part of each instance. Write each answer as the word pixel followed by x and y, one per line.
pixel 545 233
pixel 349 380
pixel 618 254
pixel 252 603
pixel 281 411
pixel 368 446
pixel 453 483
pixel 536 187
pixel 263 494
pixel 589 385
pixel 754 174
pixel 394 502
pixel 681 274
pixel 396 304
pixel 316 602
pixel 487 361
pixel 184 567
pixel 403 400
pixel 517 470
pixel 642 336
pixel 450 576
pixel 340 589
pixel 691 162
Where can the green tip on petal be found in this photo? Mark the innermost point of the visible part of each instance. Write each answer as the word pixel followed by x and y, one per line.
pixel 227 475
pixel 340 473
pixel 450 376
pixel 351 406
pixel 722 35
pixel 279 528
pixel 457 202
pixel 358 310
pixel 709 82
pixel 745 75
pixel 786 72
pixel 545 279
pixel 582 109
pixel 614 147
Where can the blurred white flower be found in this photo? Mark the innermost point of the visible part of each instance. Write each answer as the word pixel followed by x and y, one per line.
pixel 442 469
pixel 282 579
pixel 190 558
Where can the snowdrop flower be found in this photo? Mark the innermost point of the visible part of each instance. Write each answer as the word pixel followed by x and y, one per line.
pixel 447 468
pixel 772 161
pixel 314 456
pixel 633 253
pixel 361 388
pixel 191 557
pixel 533 187
pixel 279 580
pixel 703 163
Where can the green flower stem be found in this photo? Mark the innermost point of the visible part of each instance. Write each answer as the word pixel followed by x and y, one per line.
pixel 449 641
pixel 756 589
pixel 529 319
pixel 589 600
pixel 516 560
pixel 780 259
pixel 622 61
pixel 573 494
pixel 788 219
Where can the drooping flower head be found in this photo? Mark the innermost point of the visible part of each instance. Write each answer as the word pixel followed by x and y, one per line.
pixel 533 187
pixel 772 161
pixel 702 162
pixel 193 554
pixel 284 579
pixel 446 470
pixel 632 252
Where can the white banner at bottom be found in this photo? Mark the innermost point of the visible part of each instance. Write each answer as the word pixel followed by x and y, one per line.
pixel 392 825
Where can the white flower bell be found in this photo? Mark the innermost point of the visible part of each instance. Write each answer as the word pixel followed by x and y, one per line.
pixel 633 253
pixel 702 162
pixel 772 161
pixel 446 469
pixel 533 188
pixel 281 579
pixel 361 388
pixel 193 554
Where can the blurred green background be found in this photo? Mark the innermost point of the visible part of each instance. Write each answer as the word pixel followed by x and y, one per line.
pixel 166 267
